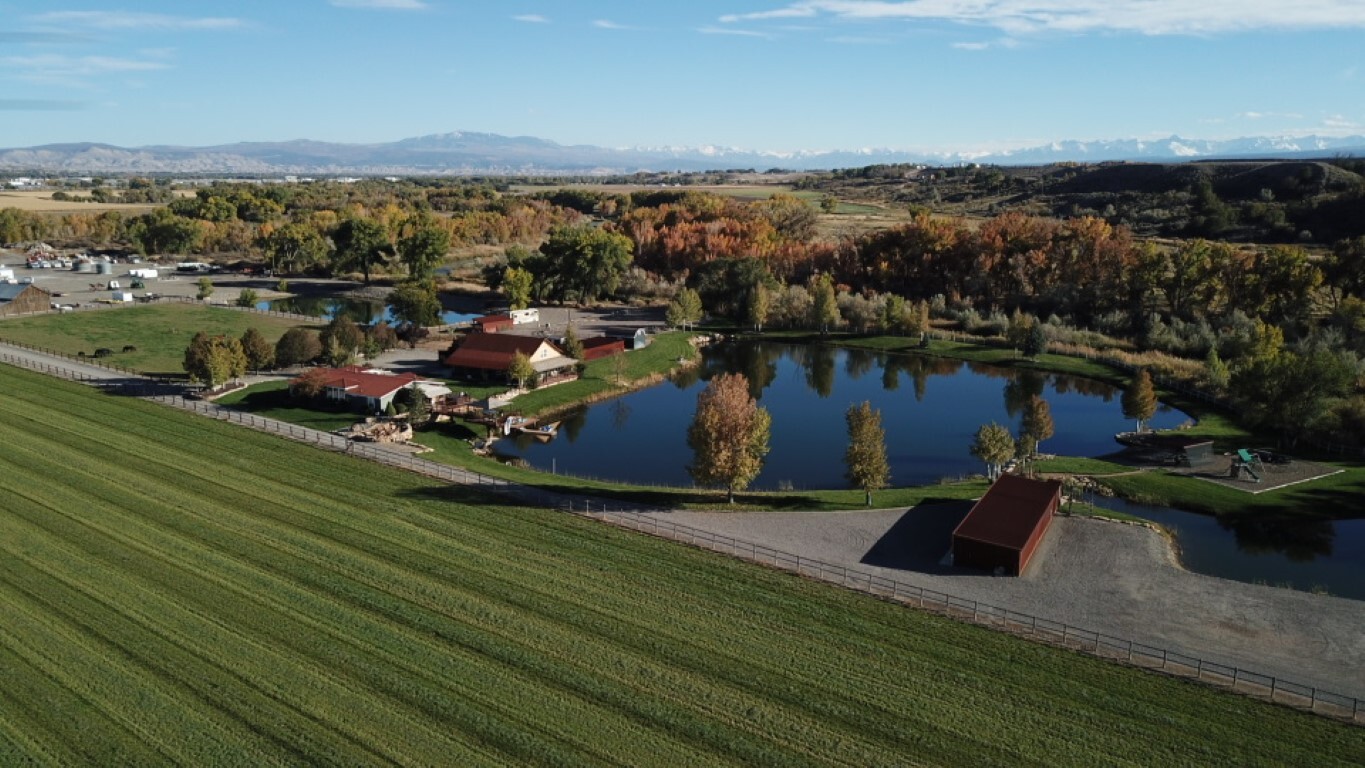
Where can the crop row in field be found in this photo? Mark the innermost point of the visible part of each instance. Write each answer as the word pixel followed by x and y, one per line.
pixel 181 590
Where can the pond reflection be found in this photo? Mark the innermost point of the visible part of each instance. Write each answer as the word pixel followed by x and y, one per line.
pixel 929 425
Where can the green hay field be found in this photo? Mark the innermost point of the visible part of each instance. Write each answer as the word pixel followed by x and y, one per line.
pixel 180 590
pixel 160 332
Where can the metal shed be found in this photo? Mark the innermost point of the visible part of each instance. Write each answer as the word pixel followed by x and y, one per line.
pixel 1004 528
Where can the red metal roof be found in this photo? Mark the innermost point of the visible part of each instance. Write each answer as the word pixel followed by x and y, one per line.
pixel 494 321
pixel 493 351
pixel 362 382
pixel 1009 512
pixel 602 346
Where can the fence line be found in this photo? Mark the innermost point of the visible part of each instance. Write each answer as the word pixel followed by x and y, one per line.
pixel 1088 641
pixel 1058 633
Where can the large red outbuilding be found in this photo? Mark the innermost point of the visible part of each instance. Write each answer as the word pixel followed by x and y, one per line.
pixel 1006 525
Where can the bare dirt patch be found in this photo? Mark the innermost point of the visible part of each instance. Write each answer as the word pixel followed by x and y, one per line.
pixel 41 201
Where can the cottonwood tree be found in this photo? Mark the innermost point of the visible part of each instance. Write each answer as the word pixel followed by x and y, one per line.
pixel 516 286
pixel 260 354
pixel 214 360
pixel 205 289
pixel 585 262
pixel 247 298
pixel 825 305
pixel 573 346
pixel 424 246
pixel 729 435
pixel 361 244
pixel 760 303
pixel 415 303
pixel 994 445
pixel 1139 399
pixel 296 347
pixel 866 455
pixel 294 246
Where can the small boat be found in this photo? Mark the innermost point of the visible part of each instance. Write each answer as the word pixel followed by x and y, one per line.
pixel 541 432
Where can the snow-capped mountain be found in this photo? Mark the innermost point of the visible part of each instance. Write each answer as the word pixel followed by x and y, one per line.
pixel 487 153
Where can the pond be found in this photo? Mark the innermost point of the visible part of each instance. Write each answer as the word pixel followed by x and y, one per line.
pixel 362 311
pixel 1323 555
pixel 931 408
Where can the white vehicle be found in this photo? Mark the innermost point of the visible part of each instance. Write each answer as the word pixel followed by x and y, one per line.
pixel 144 274
pixel 524 316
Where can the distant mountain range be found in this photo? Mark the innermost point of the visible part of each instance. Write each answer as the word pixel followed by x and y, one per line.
pixel 486 153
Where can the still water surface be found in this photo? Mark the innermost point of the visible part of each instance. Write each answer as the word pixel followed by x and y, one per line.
pixel 359 310
pixel 931 408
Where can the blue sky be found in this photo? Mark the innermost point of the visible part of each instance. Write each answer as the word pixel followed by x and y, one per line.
pixel 757 74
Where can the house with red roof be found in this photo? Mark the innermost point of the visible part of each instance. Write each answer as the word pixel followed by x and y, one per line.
pixel 490 355
pixel 368 390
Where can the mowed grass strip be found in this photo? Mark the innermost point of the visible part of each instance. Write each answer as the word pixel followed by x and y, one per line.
pixel 160 332
pixel 272 571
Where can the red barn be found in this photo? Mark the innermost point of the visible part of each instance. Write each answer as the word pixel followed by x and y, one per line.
pixel 493 323
pixel 1006 525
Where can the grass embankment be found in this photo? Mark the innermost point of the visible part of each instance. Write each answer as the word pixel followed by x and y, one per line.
pixel 600 377
pixel 160 332
pixel 194 592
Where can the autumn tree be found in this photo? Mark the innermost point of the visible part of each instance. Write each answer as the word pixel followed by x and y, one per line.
pixel 516 286
pixel 247 298
pixel 993 445
pixel 729 435
pixel 310 384
pixel 296 347
pixel 424 246
pixel 866 455
pixel 1139 399
pixel 1036 424
pixel 760 302
pixel 214 360
pixel 260 354
pixel 521 369
pixel 294 246
pixel 825 305
pixel 204 289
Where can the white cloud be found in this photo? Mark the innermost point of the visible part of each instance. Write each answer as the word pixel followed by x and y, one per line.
pixel 131 20
pixel 608 24
pixel 1150 17
pixel 855 40
pixel 971 46
pixel 68 66
pixel 1265 115
pixel 734 32
pixel 531 18
pixel 383 5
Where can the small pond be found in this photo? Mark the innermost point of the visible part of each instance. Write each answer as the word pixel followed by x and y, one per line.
pixel 1288 552
pixel 931 408
pixel 359 310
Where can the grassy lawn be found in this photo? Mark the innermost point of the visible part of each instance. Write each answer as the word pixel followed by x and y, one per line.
pixel 193 592
pixel 159 331
pixel 1078 465
pixel 1329 497
pixel 598 378
pixel 272 399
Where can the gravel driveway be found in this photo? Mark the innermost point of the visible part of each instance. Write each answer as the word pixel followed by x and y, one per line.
pixel 1118 579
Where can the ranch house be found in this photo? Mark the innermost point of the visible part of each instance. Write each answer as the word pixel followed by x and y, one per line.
pixel 487 355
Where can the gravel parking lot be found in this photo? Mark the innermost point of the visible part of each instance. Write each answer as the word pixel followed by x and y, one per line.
pixel 1122 580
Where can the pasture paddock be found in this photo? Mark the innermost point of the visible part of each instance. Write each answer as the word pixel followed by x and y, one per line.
pixel 181 590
